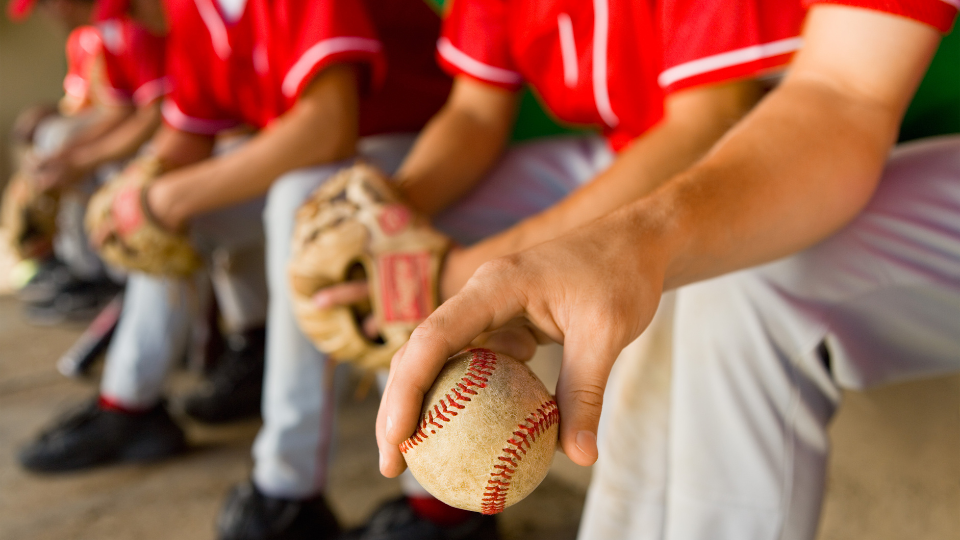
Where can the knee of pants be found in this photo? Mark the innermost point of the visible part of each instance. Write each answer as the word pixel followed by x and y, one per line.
pixel 288 192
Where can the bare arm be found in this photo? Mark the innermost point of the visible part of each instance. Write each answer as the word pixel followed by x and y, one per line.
pixel 695 119
pixel 801 165
pixel 459 145
pixel 320 128
pixel 120 142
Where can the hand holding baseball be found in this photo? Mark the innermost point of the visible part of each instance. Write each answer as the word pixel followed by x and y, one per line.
pixel 590 290
pixel 487 433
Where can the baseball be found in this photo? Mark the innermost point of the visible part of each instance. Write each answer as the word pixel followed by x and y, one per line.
pixel 487 434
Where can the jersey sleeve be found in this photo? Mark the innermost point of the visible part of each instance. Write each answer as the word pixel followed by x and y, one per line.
pixel 475 42
pixel 189 106
pixel 712 41
pixel 322 33
pixel 939 14
pixel 134 61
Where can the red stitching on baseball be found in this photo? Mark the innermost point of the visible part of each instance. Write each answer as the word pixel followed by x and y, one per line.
pixel 477 375
pixel 545 417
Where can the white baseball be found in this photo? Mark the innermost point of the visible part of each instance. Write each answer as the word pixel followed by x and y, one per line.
pixel 487 435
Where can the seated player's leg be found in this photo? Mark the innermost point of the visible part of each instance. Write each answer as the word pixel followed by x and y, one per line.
pixel 627 494
pixel 234 239
pixel 761 354
pixel 127 420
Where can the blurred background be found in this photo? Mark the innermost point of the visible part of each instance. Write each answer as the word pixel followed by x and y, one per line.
pixel 894 474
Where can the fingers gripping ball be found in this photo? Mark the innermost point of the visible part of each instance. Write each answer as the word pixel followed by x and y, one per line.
pixel 357 217
pixel 128 236
pixel 29 216
pixel 487 434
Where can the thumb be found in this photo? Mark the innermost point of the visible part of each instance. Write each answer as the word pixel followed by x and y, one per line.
pixel 587 360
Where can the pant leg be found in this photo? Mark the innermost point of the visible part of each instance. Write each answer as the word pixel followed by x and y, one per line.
pixel 627 494
pixel 292 448
pixel 760 354
pixel 158 312
pixel 152 333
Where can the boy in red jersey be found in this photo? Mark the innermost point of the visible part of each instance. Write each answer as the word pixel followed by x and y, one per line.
pixel 864 291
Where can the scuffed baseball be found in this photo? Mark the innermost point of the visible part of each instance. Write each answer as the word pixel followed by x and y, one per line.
pixel 487 434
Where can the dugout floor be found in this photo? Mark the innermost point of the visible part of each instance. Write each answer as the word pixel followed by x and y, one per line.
pixel 895 473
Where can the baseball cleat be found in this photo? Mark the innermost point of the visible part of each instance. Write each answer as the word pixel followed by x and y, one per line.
pixel 248 514
pixel 92 436
pixel 233 391
pixel 396 520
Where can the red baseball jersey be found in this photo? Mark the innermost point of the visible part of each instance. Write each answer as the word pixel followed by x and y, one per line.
pixel 234 62
pixel 607 62
pixel 134 60
pixel 937 13
pixel 83 48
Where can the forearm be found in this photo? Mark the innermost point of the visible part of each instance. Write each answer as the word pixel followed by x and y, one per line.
pixel 695 119
pixel 122 141
pixel 320 128
pixel 101 122
pixel 786 178
pixel 458 146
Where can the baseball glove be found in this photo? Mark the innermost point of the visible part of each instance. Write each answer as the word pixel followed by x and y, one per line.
pixel 357 218
pixel 125 233
pixel 29 216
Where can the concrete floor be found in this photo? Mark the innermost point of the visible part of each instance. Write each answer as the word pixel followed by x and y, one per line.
pixel 895 472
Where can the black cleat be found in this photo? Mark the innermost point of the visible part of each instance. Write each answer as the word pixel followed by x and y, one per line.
pixel 92 436
pixel 52 276
pixel 77 300
pixel 248 514
pixel 234 389
pixel 396 520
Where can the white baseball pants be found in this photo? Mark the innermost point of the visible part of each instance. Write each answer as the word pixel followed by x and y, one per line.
pixel 761 355
pixel 160 314
pixel 292 449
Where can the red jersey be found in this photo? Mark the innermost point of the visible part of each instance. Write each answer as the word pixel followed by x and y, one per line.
pixel 134 61
pixel 233 62
pixel 598 62
pixel 83 48
pixel 939 14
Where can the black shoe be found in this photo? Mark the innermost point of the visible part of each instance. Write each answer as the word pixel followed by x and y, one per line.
pixel 234 389
pixel 248 514
pixel 51 276
pixel 395 520
pixel 76 300
pixel 91 436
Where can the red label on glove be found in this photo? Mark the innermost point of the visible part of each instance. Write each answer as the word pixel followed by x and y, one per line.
pixel 394 219
pixel 127 213
pixel 405 286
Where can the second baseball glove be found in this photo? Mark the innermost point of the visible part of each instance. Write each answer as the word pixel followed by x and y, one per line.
pixel 29 216
pixel 357 218
pixel 126 234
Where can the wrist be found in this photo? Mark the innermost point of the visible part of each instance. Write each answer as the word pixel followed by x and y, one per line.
pixel 159 205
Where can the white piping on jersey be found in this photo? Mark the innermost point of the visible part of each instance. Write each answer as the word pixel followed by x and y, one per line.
pixel 150 91
pixel 474 67
pixel 314 55
pixel 727 59
pixel 232 9
pixel 601 29
pixel 218 31
pixel 176 118
pixel 954 3
pixel 568 51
